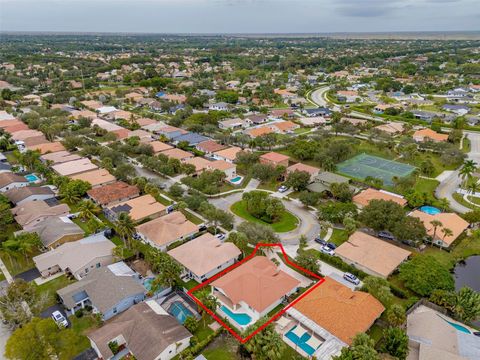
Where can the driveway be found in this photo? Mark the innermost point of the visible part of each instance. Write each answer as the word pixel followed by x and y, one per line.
pixel 29 275
pixel 449 185
pixel 308 223
pixel 45 314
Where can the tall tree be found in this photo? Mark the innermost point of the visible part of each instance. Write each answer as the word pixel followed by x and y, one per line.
pixel 395 343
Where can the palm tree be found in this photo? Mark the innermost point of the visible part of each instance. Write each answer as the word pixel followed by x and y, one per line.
pixel 446 232
pixel 444 203
pixel 436 224
pixel 125 227
pixel 473 187
pixel 88 209
pixel 468 168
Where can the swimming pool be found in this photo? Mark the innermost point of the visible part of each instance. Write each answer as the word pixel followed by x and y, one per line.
pixel 236 180
pixel 179 311
pixel 459 327
pixel 240 318
pixel 430 210
pixel 301 341
pixel 147 283
pixel 32 178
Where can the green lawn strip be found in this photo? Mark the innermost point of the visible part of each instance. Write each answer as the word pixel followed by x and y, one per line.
pixel 194 219
pixel 474 199
pixel 219 354
pixel 81 326
pixel 338 237
pixel 287 222
pixel 203 330
pixel 51 288
pixel 466 145
pixel 17 264
pixel 459 198
pixel 426 185
pixel 272 186
pixel 375 332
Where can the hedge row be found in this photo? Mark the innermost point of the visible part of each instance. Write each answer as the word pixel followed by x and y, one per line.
pixel 340 264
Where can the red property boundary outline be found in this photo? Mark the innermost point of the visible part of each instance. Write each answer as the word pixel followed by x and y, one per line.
pixel 275 316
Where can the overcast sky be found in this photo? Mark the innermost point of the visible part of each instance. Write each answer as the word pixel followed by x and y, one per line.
pixel 239 16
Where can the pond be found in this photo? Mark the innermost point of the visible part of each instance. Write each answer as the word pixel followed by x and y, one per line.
pixel 467 273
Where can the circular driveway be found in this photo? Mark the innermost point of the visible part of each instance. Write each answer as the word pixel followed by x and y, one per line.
pixel 308 223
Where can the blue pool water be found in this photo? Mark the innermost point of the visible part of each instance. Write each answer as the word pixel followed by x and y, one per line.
pixel 239 318
pixel 147 283
pixel 459 327
pixel 301 341
pixel 32 178
pixel 430 210
pixel 179 311
pixel 236 180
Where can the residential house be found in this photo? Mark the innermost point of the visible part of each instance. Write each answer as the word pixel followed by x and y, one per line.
pixel 159 146
pixel 179 154
pixel 253 289
pixel 220 106
pixel 31 213
pixel 284 127
pixel 57 230
pixel 349 96
pixel 448 220
pixel 110 290
pixel 113 193
pixel 324 180
pixel 332 314
pixel 371 255
pixel 76 258
pixel 316 112
pixel 311 170
pixel 5 167
pixel 191 139
pixel 313 121
pixel 434 335
pixel 259 131
pixel 274 159
pixel 282 113
pixel 228 168
pixel 363 198
pixel 429 135
pixel 232 124
pixel 211 257
pixel 229 154
pixel 391 128
pixel 20 196
pixel 138 208
pixel 74 167
pixel 59 157
pixel 200 163
pixel 50 147
pixel 145 331
pixel 459 110
pixel 95 178
pixel 209 147
pixel 165 230
pixel 256 119
pixel 9 180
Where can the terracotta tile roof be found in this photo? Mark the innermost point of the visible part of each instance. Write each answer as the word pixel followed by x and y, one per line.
pixel 391 127
pixel 228 153
pixel 420 135
pixel 26 134
pixel 50 147
pixel 341 311
pixel 199 163
pixel 121 133
pixel 220 165
pixel 168 228
pixel 347 93
pixel 177 154
pixel 139 208
pixel 258 282
pixel 449 220
pixel 59 157
pixel 114 192
pixel 303 167
pixel 364 197
pixel 8 123
pixel 210 146
pixel 15 128
pixel 159 146
pixel 274 157
pixel 372 253
pixel 95 177
pixel 145 121
pixel 209 252
pixel 264 130
pixel 284 126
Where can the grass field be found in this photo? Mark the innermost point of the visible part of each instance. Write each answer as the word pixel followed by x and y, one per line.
pixel 287 222
pixel 338 237
pixel 51 288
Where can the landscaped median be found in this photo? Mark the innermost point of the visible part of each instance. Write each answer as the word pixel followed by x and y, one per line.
pixel 286 221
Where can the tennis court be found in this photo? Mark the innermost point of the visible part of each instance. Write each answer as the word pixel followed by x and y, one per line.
pixel 364 165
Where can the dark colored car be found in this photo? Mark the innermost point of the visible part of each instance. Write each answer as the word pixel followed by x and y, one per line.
pixel 386 235
pixel 109 233
pixel 320 241
pixel 331 245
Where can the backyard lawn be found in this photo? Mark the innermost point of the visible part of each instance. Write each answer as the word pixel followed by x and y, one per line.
pixel 50 288
pixel 339 236
pixel 287 222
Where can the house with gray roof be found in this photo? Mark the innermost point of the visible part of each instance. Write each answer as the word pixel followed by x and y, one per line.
pixel 20 196
pixel 191 138
pixel 108 290
pixel 54 231
pixel 146 331
pixel 324 180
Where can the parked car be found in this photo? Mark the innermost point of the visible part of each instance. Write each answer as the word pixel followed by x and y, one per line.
pixel 220 236
pixel 320 241
pixel 59 319
pixel 326 250
pixel 386 235
pixel 202 227
pixel 282 189
pixel 331 245
pixel 351 278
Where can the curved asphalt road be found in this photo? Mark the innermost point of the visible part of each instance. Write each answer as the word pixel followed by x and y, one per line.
pixel 449 185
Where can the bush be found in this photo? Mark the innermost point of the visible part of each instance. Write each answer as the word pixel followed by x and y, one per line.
pixel 194 350
pixel 340 264
pixel 79 313
pixel 398 292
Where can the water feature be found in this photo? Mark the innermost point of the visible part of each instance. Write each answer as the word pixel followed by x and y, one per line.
pixel 466 273
pixel 430 210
